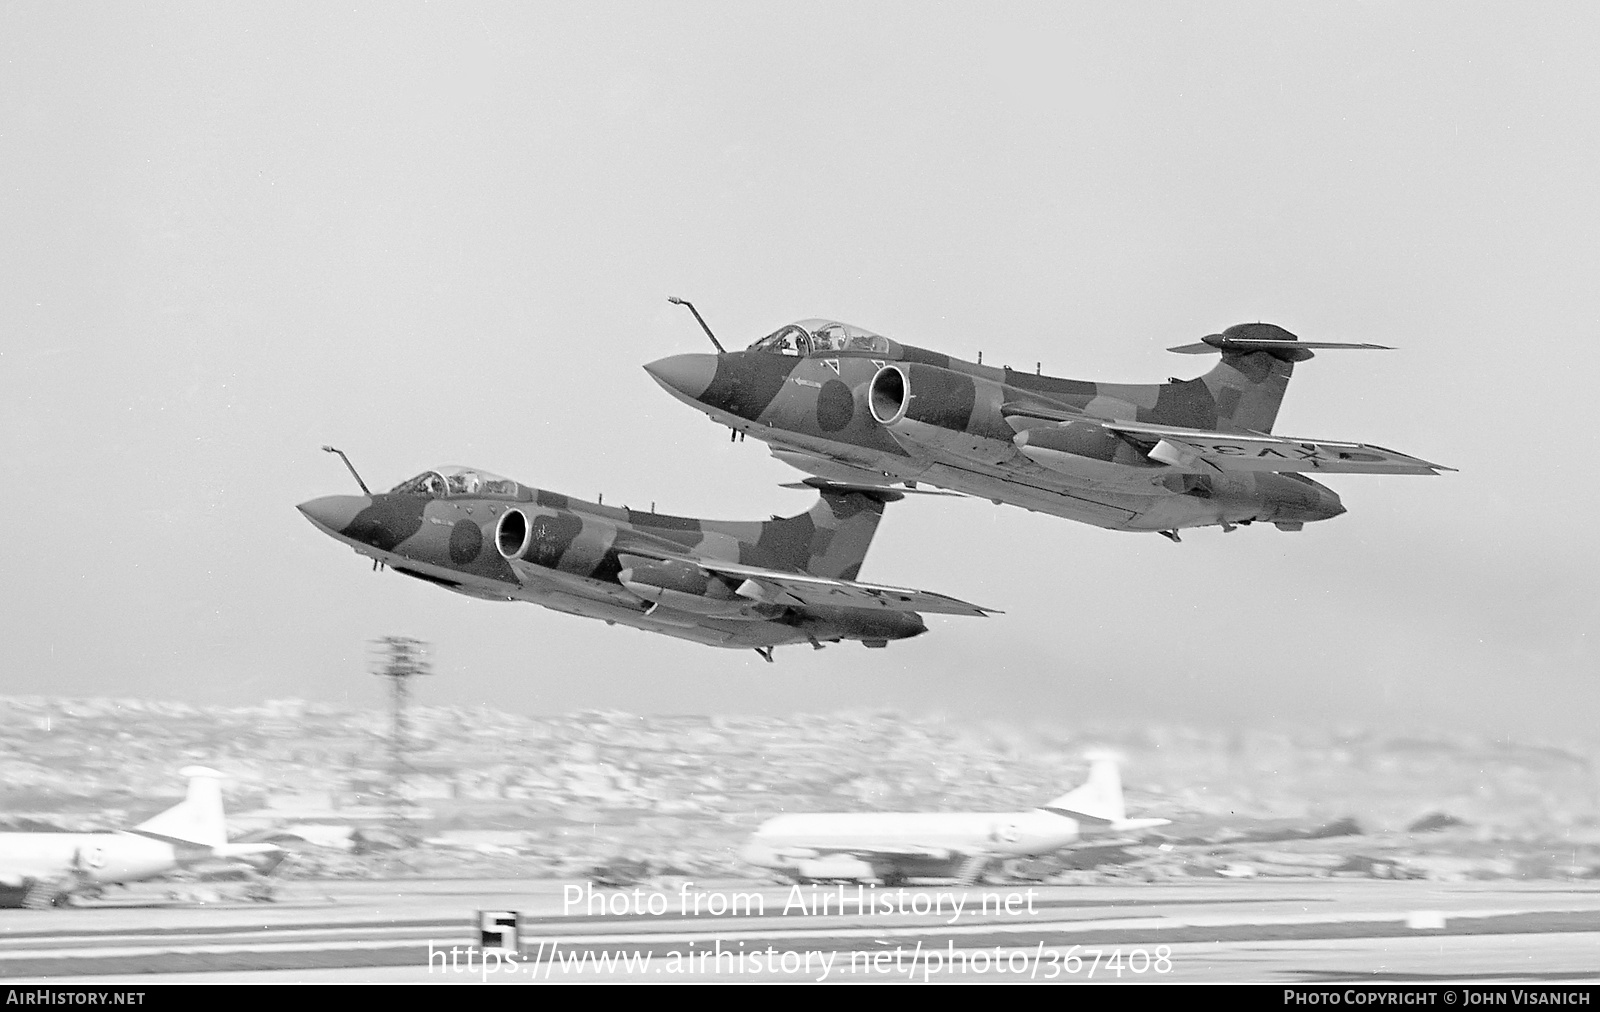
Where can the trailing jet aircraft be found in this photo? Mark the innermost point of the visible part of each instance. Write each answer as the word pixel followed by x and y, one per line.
pixel 853 406
pixel 890 847
pixel 48 869
pixel 755 585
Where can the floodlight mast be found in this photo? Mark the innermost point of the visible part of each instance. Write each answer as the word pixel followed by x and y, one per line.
pixel 399 659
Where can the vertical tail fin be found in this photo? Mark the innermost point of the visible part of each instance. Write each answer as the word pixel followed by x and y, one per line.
pixel 831 539
pixel 1248 385
pixel 198 817
pixel 1099 800
pixel 1246 389
pixel 1100 797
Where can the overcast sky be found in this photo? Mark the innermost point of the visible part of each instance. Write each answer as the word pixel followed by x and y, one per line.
pixel 446 233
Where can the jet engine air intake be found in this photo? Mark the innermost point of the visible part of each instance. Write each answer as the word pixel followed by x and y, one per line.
pixel 888 395
pixel 926 394
pixel 511 534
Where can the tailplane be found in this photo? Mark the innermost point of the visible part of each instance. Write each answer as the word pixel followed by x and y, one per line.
pixel 198 817
pixel 1248 385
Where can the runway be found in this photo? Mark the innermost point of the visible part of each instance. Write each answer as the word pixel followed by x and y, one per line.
pixel 1286 931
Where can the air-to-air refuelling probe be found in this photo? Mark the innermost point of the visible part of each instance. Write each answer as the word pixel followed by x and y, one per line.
pixel 754 585
pixel 850 405
pixel 890 847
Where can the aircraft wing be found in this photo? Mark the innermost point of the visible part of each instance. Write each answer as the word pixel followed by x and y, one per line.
pixel 788 588
pixel 772 586
pixel 868 853
pixel 1227 451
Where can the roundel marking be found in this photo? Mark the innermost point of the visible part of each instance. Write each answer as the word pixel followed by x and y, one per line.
pixel 95 857
pixel 1009 832
pixel 466 541
pixel 836 405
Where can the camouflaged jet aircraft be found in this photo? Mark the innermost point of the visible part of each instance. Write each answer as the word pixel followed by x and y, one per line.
pixel 753 585
pixel 853 406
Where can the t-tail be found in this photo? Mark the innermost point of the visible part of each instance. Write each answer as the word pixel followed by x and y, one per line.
pixel 1248 385
pixel 1098 803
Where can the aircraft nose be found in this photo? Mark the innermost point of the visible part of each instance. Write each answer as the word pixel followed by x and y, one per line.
pixel 687 375
pixel 333 513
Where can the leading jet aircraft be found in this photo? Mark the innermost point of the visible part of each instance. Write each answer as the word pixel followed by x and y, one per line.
pixel 849 405
pixel 754 585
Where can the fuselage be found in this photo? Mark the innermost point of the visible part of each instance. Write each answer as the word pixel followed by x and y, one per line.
pixel 501 541
pixel 845 845
pixel 838 413
pixel 100 858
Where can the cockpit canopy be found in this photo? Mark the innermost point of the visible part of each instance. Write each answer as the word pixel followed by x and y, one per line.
pixel 810 337
pixel 457 482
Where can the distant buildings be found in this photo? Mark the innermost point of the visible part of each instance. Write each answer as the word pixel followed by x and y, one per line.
pixel 685 789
